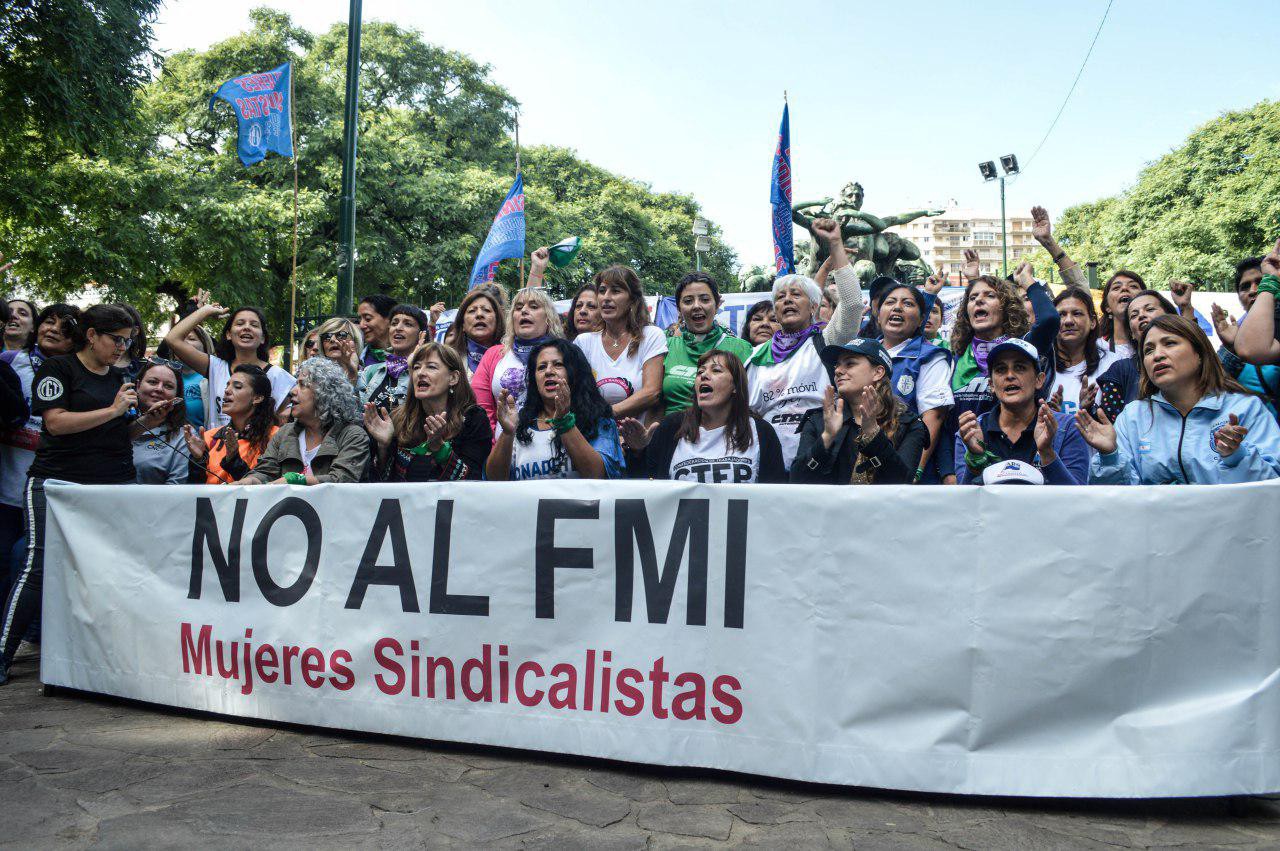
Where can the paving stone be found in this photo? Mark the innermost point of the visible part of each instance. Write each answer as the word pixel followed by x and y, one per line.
pixel 560 791
pixel 686 820
pixel 35 814
pixel 187 779
pixel 259 810
pixel 635 787
pixel 769 812
pixel 681 791
pixel 471 815
pixel 68 758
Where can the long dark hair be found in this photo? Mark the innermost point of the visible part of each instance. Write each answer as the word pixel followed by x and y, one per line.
pixel 1091 354
pixel 1107 327
pixel 177 417
pixel 223 347
pixel 570 328
pixel 638 313
pixel 409 417
pixel 585 401
pixel 738 425
pixel 31 307
pixel 457 337
pixel 262 419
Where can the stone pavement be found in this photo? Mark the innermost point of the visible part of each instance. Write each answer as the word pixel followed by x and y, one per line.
pixel 79 771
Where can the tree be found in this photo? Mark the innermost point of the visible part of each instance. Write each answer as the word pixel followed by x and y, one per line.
pixel 1194 212
pixel 171 209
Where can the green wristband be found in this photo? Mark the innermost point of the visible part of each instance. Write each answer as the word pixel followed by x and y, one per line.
pixel 1269 284
pixel 295 478
pixel 420 449
pixel 979 462
pixel 442 454
pixel 565 423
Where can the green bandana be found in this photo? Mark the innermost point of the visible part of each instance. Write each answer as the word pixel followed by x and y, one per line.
pixel 697 348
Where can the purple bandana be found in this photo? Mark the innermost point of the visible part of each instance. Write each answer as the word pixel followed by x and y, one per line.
pixel 981 348
pixel 783 344
pixel 475 352
pixel 396 365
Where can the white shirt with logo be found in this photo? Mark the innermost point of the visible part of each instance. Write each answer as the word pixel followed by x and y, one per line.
pixel 620 379
pixel 780 393
pixel 711 461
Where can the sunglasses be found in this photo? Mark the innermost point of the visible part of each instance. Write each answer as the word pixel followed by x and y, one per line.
pixel 341 336
pixel 172 364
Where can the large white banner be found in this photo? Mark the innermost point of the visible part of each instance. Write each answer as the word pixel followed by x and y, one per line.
pixel 1101 642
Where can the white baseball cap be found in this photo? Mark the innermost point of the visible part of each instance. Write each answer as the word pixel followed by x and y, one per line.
pixel 1012 473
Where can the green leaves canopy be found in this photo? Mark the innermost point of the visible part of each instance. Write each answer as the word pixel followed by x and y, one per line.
pixel 170 209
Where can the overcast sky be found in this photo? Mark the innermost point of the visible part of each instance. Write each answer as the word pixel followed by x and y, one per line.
pixel 906 97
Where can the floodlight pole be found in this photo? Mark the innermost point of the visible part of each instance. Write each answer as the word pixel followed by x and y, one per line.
pixel 1004 234
pixel 347 204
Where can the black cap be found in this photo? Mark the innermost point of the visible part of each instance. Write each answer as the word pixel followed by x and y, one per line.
pixel 871 349
pixel 881 284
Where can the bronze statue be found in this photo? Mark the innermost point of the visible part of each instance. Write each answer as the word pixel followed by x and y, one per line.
pixel 864 234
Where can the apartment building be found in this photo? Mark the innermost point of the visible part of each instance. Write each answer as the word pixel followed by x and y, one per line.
pixel 942 240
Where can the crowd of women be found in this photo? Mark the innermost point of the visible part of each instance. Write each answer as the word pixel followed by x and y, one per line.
pixel 828 384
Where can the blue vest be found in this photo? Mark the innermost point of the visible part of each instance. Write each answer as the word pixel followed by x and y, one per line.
pixel 907 365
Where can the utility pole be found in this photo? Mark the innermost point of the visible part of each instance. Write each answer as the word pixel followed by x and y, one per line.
pixel 1004 234
pixel 347 206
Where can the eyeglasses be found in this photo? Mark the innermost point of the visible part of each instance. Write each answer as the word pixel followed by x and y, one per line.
pixel 340 336
pixel 172 364
pixel 120 342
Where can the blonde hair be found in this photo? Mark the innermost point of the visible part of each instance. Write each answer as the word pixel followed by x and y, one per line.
pixel 331 326
pixel 554 328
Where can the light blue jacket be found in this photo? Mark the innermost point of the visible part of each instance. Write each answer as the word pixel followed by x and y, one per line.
pixel 1156 445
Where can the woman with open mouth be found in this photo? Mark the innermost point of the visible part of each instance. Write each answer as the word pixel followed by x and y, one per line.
pixel 698 300
pixel 627 353
pixel 339 340
pixel 716 439
pixel 244 340
pixel 439 434
pixel 477 327
pixel 324 441
pixel 229 453
pixel 531 321
pixel 991 312
pixel 386 384
pixel 159 452
pixel 20 330
pixel 862 434
pixel 1119 289
pixel 1080 358
pixel 787 377
pixel 1197 426
pixel 564 429
pixel 921 373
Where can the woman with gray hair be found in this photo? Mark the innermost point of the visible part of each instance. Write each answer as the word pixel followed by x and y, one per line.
pixel 325 442
pixel 785 373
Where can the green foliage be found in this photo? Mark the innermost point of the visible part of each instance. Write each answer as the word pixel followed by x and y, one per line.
pixel 67 68
pixel 171 209
pixel 1194 212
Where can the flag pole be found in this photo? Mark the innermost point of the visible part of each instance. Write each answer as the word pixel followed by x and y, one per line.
pixel 293 273
pixel 519 283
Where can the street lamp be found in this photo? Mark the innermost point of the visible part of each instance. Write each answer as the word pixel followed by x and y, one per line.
pixel 1009 163
pixel 701 230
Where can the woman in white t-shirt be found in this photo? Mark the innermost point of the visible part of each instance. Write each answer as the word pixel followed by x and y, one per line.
pixel 716 440
pixel 563 429
pixel 244 340
pixel 1081 358
pixel 627 353
pixel 531 321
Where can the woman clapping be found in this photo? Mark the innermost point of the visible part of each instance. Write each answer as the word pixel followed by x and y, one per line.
pixel 229 453
pixel 439 433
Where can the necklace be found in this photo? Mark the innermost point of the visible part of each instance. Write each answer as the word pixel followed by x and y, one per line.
pixel 614 342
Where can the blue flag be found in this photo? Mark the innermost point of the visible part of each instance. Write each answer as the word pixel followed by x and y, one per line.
pixel 505 239
pixel 784 260
pixel 263 110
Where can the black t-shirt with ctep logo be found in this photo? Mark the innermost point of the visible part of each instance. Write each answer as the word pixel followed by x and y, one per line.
pixel 101 455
